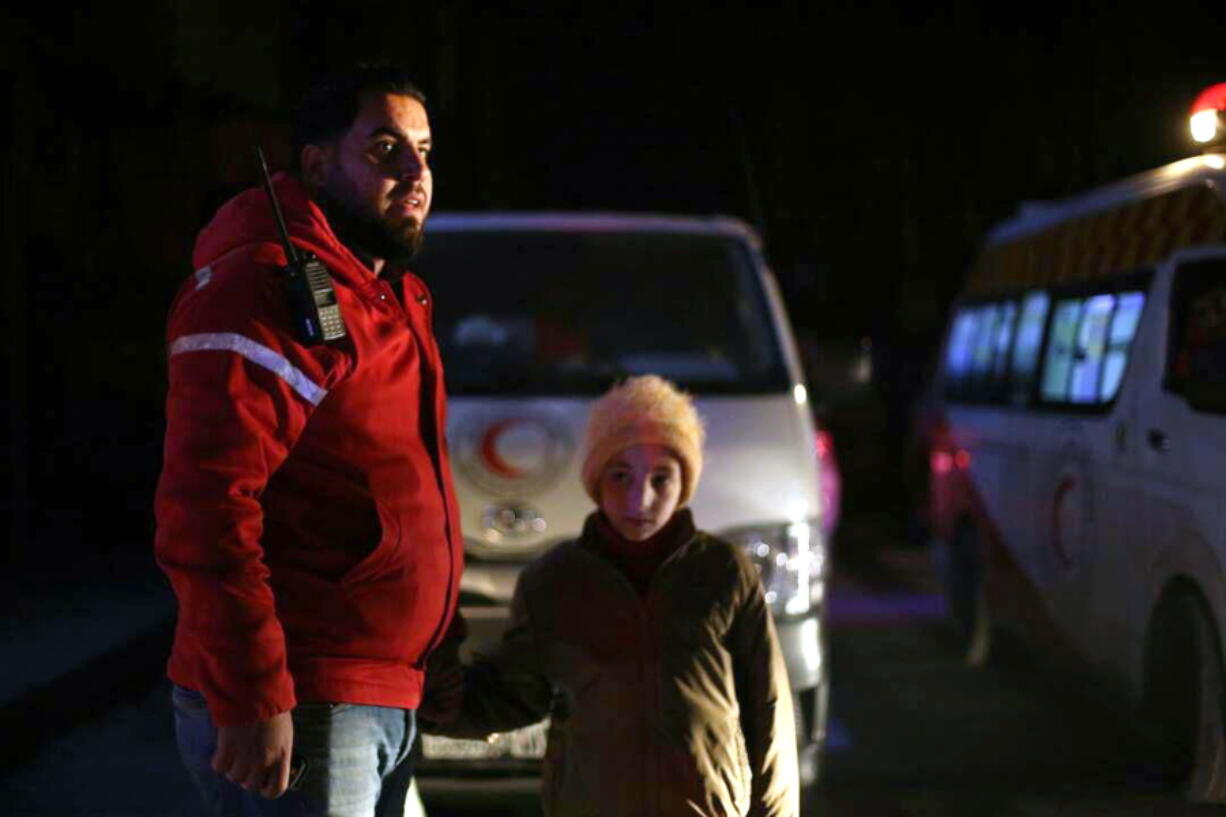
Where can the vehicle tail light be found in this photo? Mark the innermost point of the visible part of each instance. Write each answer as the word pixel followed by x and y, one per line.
pixel 945 456
pixel 831 481
pixel 825 445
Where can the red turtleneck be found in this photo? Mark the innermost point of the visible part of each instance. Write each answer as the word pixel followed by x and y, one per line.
pixel 640 560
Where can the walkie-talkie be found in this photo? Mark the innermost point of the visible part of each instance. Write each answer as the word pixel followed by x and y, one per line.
pixel 312 298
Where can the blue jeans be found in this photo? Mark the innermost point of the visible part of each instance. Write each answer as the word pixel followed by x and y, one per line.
pixel 357 761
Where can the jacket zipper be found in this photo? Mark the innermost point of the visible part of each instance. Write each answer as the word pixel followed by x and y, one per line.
pixel 435 452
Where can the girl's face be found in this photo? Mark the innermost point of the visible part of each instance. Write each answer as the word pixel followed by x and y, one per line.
pixel 639 490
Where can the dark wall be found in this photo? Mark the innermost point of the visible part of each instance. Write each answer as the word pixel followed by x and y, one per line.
pixel 112 148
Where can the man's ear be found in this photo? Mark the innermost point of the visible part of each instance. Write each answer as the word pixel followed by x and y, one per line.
pixel 315 161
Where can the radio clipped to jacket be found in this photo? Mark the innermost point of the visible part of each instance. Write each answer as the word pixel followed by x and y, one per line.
pixel 312 298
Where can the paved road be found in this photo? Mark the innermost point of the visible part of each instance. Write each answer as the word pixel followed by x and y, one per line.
pixel 915 734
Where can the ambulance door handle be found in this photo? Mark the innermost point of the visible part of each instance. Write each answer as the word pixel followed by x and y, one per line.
pixel 1158 440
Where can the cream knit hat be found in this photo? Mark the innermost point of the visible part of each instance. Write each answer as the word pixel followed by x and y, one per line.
pixel 643 410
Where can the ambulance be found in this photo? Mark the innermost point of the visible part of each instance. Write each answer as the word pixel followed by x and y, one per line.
pixel 1078 467
pixel 537 314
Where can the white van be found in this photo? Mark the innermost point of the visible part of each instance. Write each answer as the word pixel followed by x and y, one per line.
pixel 537 315
pixel 1078 477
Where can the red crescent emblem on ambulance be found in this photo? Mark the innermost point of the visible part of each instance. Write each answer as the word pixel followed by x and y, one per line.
pixel 489 450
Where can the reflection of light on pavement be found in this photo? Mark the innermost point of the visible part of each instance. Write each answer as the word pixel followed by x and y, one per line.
pixel 838 737
pixel 852 609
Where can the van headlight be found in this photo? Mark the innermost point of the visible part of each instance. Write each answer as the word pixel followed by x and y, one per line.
pixel 791 559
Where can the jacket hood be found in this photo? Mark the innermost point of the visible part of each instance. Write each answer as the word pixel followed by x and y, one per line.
pixel 248 219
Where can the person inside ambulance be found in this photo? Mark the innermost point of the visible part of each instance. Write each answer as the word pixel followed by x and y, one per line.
pixel 1198 363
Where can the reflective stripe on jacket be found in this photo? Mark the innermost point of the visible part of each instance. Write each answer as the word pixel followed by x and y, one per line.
pixel 305 511
pixel 676 703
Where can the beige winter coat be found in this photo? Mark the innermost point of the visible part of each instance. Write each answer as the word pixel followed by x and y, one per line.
pixel 676 703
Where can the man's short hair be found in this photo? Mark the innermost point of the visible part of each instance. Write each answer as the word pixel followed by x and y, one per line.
pixel 331 103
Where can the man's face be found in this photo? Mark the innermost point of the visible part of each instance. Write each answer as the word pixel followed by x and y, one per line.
pixel 377 172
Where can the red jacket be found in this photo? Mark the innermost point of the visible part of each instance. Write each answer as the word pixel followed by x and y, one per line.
pixel 305 512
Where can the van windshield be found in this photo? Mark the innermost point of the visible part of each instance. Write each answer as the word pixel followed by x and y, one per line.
pixel 552 312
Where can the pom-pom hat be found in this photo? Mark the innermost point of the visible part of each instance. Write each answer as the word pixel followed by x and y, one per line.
pixel 643 410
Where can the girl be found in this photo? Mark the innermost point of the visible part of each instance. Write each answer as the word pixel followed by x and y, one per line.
pixel 647 642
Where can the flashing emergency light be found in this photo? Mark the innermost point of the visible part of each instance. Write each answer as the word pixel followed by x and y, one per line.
pixel 1205 117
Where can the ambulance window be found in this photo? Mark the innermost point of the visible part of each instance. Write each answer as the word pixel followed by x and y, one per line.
pixel 1123 329
pixel 1059 363
pixel 977 358
pixel 985 340
pixel 1091 349
pixel 961 338
pixel 1196 364
pixel 1028 345
pixel 1004 339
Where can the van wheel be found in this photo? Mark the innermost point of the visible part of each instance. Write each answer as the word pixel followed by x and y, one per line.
pixel 1185 696
pixel 963 574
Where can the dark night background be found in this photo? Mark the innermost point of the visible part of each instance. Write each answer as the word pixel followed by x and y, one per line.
pixel 872 142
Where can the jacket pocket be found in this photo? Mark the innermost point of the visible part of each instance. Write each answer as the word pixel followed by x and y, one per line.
pixel 382 556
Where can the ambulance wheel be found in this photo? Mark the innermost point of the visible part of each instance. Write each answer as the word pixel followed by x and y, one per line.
pixel 964 579
pixel 1185 692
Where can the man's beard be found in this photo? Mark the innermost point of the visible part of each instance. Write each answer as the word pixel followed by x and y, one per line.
pixel 371 236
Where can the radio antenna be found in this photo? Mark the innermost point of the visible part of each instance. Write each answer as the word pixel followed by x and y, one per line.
pixel 290 252
pixel 313 302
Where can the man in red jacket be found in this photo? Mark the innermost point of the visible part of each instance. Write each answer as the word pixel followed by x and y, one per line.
pixel 305 511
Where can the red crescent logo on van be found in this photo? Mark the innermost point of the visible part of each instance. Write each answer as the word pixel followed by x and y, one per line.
pixel 512 455
pixel 489 450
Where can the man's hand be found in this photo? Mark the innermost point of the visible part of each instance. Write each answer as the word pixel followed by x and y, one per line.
pixel 256 755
